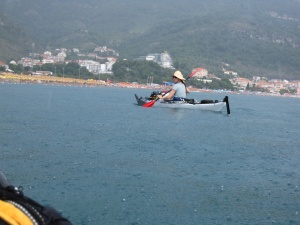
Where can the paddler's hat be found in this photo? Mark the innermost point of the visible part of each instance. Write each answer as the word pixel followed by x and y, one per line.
pixel 178 74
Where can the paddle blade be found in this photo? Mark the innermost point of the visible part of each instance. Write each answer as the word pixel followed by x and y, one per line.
pixel 193 73
pixel 149 104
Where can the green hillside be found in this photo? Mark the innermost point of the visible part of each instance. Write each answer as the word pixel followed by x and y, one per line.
pixel 14 41
pixel 248 46
pixel 254 37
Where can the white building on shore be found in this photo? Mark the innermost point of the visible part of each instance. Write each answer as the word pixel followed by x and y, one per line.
pixel 163 59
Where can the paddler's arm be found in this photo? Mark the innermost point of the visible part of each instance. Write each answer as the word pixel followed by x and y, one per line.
pixel 169 96
pixel 188 90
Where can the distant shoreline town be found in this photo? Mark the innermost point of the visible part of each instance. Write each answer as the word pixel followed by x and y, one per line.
pixel 51 80
pixel 97 64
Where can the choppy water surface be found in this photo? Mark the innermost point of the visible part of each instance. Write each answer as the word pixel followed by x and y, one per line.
pixel 100 159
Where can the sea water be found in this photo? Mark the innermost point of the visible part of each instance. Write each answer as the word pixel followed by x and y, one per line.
pixel 98 158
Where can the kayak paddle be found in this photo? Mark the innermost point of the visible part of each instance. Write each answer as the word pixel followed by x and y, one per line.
pixel 151 103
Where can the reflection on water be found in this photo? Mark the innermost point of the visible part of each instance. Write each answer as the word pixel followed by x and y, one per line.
pixel 177 114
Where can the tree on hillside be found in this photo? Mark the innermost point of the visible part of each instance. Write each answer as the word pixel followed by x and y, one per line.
pixel 139 71
pixel 220 84
pixel 248 87
pixel 16 68
pixel 71 69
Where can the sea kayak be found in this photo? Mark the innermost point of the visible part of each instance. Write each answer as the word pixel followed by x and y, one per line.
pixel 210 105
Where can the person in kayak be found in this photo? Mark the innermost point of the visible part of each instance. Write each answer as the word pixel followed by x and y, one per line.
pixel 179 89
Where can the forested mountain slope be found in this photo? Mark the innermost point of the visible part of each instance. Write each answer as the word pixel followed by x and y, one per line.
pixel 14 41
pixel 248 46
pixel 255 37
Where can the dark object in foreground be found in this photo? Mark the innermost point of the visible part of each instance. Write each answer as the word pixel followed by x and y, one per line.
pixel 16 208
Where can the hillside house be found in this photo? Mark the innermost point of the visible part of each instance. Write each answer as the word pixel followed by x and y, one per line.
pixel 42 73
pixel 241 82
pixel 200 73
pixel 163 59
pixel 263 84
pixel 230 72
pixel 2 64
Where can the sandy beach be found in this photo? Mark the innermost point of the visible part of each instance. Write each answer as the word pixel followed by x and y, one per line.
pixel 20 78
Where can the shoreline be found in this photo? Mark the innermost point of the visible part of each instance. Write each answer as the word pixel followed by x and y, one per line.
pixel 66 81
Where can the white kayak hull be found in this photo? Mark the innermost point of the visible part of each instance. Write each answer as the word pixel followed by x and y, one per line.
pixel 216 106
